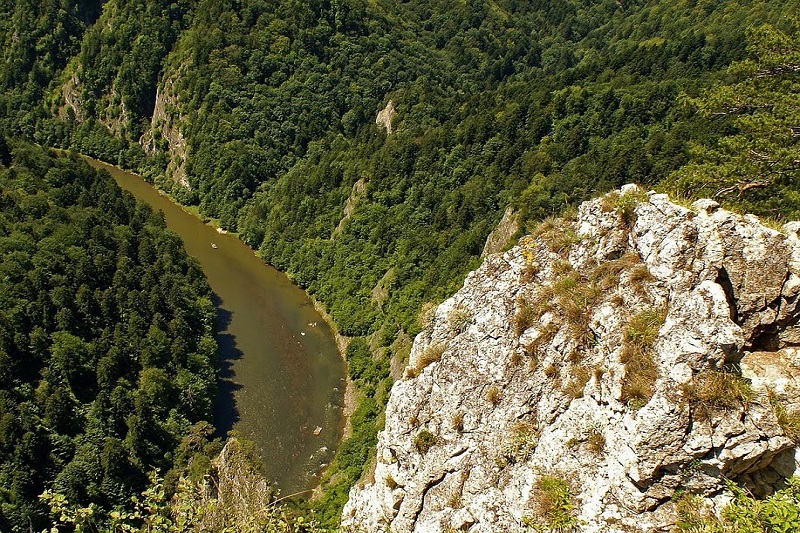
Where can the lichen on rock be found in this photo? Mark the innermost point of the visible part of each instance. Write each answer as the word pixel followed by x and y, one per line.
pixel 602 356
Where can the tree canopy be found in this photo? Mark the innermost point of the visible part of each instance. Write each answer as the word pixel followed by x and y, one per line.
pixel 756 165
pixel 107 350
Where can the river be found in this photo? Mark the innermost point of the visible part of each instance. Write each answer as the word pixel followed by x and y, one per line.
pixel 281 377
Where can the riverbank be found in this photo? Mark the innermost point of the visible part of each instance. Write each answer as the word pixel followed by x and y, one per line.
pixel 350 402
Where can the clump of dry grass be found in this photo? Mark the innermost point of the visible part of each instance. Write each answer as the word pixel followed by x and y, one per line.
pixel 493 395
pixel 718 390
pixel 429 355
pixel 546 335
pixel 789 422
pixel 458 422
pixel 455 501
pixel 459 319
pixel 557 234
pixel 624 204
pixel 580 377
pixel 641 370
pixel 596 441
pixel 606 275
pixel 525 317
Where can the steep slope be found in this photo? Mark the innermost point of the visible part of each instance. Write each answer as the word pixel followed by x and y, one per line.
pixel 590 375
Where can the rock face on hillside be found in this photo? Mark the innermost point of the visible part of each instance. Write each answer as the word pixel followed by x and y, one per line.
pixel 593 372
pixel 165 132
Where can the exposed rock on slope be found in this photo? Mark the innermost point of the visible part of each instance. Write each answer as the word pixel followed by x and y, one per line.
pixel 586 375
pixel 165 132
pixel 385 115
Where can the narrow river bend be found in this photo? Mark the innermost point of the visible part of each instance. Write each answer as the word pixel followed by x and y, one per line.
pixel 281 378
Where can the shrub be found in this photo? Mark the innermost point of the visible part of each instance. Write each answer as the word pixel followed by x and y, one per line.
pixel 424 441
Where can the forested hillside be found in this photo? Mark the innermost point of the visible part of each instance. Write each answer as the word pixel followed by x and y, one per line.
pixel 107 353
pixel 262 113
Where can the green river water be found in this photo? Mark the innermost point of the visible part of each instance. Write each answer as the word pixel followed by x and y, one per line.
pixel 281 376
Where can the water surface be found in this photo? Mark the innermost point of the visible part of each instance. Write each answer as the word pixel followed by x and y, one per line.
pixel 281 376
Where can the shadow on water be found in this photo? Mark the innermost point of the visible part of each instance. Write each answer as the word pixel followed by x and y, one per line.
pixel 226 414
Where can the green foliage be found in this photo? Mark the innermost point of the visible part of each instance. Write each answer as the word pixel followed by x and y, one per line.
pixel 103 314
pixel 779 513
pixel 503 103
pixel 349 463
pixel 365 369
pixel 230 496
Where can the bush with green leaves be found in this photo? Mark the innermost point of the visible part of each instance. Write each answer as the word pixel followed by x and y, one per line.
pixel 778 513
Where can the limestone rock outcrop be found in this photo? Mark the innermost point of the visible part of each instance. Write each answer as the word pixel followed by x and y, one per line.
pixel 165 130
pixel 598 369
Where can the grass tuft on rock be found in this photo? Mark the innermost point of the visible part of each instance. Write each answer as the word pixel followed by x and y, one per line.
pixel 641 369
pixel 723 390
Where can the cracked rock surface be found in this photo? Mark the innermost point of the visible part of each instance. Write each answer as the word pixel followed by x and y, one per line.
pixel 637 350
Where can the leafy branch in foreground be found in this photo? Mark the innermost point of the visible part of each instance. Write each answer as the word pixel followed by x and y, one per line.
pixel 232 497
pixel 780 513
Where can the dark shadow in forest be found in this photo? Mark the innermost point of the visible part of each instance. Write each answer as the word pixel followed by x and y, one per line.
pixel 226 413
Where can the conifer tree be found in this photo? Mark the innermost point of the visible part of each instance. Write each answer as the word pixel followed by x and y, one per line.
pixel 757 165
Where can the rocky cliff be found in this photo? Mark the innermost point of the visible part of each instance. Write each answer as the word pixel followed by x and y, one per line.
pixel 591 378
pixel 165 131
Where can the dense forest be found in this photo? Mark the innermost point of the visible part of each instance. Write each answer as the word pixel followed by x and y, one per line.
pixel 262 113
pixel 107 350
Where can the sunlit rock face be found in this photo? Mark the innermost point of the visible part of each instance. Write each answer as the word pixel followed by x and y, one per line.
pixel 602 356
